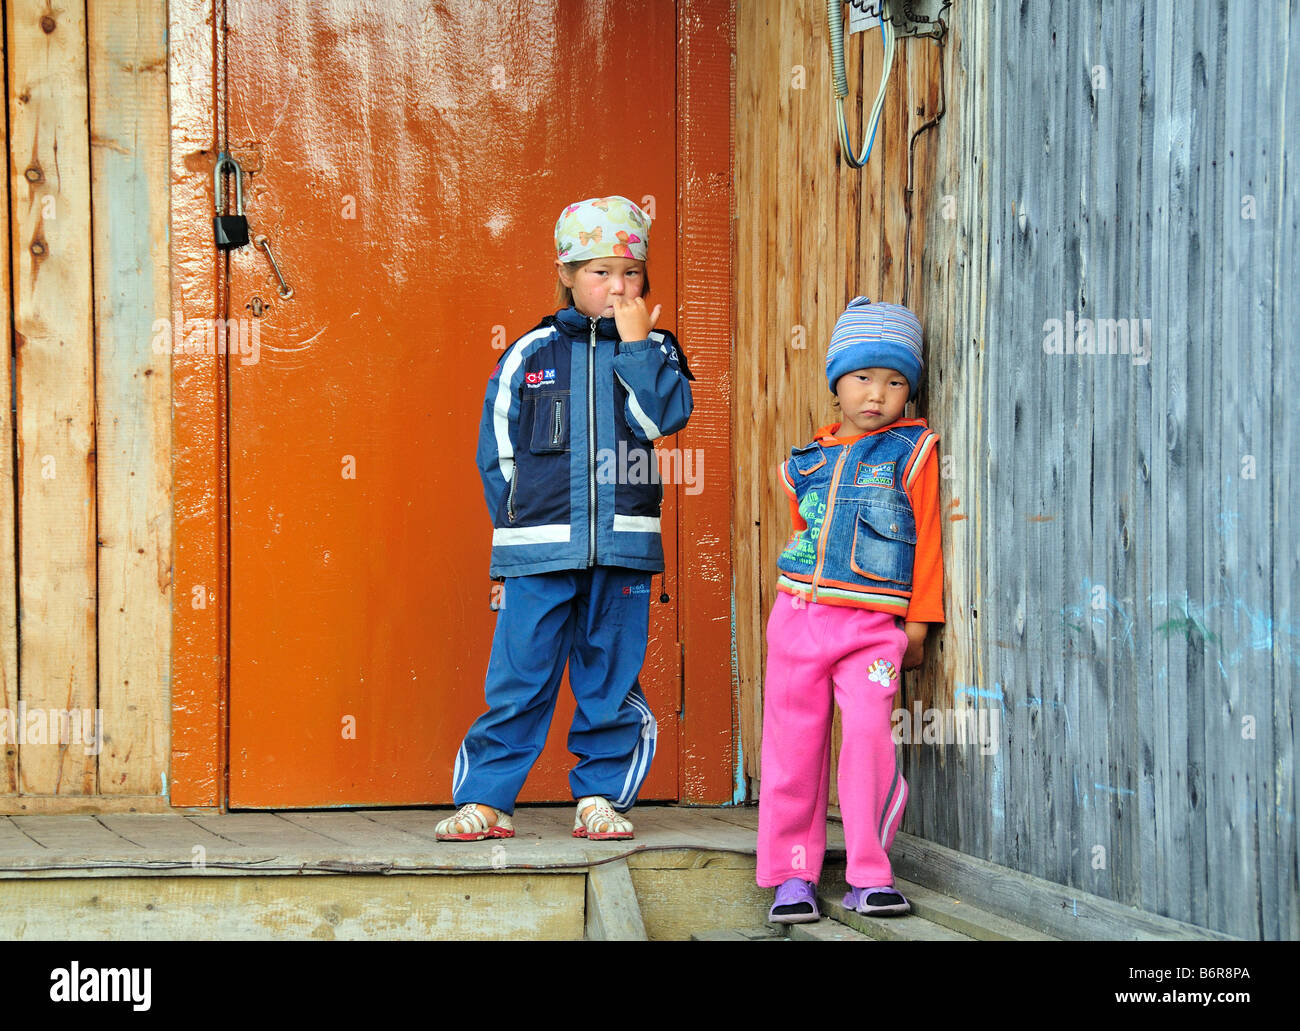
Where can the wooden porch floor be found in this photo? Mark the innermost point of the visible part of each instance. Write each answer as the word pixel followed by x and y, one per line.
pixel 349 841
pixel 380 873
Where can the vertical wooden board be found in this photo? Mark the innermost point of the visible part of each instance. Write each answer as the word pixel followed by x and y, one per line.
pixel 851 265
pixel 891 149
pixel 1242 678
pixel 752 48
pixel 704 138
pixel 1041 713
pixel 1204 492
pixel 949 354
pixel 822 247
pixel 51 246
pixel 129 132
pixel 1132 724
pixel 8 558
pixel 1147 703
pixel 1106 187
pixel 984 487
pixel 1277 770
pixel 1220 403
pixel 1171 218
pixel 924 107
pixel 1064 628
pixel 198 391
pixel 1130 512
pixel 982 341
pixel 865 273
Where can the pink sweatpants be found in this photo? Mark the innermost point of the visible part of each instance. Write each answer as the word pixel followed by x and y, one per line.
pixel 818 655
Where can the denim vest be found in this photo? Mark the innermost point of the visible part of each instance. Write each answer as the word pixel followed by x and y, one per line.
pixel 860 542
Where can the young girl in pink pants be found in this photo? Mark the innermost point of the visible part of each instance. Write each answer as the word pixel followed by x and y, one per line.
pixel 860 581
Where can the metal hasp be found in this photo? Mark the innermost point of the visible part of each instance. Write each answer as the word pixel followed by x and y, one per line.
pixel 286 291
pixel 230 231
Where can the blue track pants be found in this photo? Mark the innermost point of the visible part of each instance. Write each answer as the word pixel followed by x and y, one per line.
pixel 598 620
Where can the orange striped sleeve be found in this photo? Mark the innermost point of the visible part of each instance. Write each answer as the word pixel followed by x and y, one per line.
pixel 926 605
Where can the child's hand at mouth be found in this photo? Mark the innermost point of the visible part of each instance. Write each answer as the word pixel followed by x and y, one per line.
pixel 633 320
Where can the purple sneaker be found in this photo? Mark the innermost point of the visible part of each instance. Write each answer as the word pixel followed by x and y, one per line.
pixel 796 903
pixel 882 901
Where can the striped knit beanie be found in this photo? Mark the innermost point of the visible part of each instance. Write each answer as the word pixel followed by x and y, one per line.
pixel 869 336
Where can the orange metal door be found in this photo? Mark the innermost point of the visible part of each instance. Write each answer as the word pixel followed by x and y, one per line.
pixel 407 162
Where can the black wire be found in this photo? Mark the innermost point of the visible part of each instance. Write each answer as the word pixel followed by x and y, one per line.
pixel 911 167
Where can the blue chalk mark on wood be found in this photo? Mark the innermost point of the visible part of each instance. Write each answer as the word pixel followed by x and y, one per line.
pixel 994 694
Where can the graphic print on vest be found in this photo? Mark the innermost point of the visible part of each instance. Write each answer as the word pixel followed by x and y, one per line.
pixel 802 547
pixel 881 475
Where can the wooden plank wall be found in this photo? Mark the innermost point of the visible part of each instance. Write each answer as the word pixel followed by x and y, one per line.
pixel 811 233
pixel 8 556
pixel 1120 543
pixel 89 579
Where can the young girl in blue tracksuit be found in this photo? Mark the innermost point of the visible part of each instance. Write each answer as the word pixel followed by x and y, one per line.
pixel 575 530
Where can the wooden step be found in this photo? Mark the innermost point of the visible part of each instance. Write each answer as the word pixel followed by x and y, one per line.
pixel 613 912
pixel 964 918
pixel 910 928
pixel 825 931
pixel 744 934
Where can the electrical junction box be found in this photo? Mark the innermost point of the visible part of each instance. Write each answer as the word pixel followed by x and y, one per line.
pixel 909 17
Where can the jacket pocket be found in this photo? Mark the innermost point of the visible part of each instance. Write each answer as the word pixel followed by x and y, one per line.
pixel 808 459
pixel 550 424
pixel 884 544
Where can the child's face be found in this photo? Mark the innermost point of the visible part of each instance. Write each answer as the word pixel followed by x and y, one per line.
pixel 596 282
pixel 871 398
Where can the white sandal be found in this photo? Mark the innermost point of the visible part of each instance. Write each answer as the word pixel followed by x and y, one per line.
pixel 469 824
pixel 602 823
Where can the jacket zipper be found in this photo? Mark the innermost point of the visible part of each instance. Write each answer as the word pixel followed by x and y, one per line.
pixel 591 448
pixel 556 423
pixel 510 498
pixel 826 521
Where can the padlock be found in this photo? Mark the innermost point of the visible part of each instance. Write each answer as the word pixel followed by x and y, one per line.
pixel 231 231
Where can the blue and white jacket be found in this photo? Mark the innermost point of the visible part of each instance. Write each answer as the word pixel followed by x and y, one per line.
pixel 566 445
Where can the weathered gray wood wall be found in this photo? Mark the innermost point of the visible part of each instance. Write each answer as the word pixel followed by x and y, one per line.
pixel 1123 582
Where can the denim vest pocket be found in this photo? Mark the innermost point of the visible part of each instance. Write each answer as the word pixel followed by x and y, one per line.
pixel 808 459
pixel 884 543
pixel 550 424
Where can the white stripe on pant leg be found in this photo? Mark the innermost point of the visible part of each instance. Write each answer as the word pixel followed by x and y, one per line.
pixel 649 753
pixel 631 769
pixel 462 764
pixel 899 798
pixel 641 742
pixel 646 746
